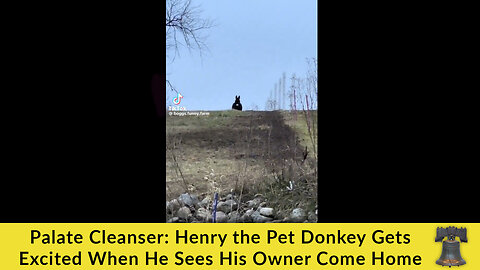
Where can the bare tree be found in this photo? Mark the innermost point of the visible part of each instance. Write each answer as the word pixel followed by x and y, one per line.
pixel 185 26
pixel 312 81
pixel 303 96
pixel 305 86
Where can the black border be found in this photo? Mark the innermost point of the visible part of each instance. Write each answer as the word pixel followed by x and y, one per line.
pixel 83 139
pixel 396 113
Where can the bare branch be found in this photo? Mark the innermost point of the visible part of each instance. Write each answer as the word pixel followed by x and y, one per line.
pixel 184 26
pixel 172 88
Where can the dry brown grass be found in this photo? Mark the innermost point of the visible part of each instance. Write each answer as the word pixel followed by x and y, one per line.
pixel 246 152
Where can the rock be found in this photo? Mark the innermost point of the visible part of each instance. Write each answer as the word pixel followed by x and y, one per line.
pixel 247 216
pixel 173 206
pixel 173 220
pixel 186 199
pixel 227 206
pixel 312 217
pixel 266 211
pixel 234 217
pixel 195 200
pixel 257 218
pixel 298 215
pixel 205 202
pixel 203 215
pixel 222 206
pixel 254 203
pixel 184 212
pixel 221 217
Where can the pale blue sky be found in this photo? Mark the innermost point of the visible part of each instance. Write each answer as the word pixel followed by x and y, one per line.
pixel 252 44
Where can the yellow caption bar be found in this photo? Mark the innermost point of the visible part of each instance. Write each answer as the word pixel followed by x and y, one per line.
pixel 230 246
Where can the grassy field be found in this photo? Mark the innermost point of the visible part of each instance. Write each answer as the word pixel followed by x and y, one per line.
pixel 247 153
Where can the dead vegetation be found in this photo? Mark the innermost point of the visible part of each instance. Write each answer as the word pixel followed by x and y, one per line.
pixel 250 153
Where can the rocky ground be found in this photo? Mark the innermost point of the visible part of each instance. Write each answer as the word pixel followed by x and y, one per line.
pixel 191 208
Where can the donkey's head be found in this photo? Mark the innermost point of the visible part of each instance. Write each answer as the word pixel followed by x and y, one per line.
pixel 237 99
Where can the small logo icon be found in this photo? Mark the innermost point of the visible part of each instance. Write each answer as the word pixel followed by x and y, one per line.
pixel 176 100
pixel 451 247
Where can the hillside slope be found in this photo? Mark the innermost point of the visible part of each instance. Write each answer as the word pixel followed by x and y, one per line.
pixel 241 155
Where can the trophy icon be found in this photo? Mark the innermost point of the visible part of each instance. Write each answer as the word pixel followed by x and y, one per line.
pixel 451 247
